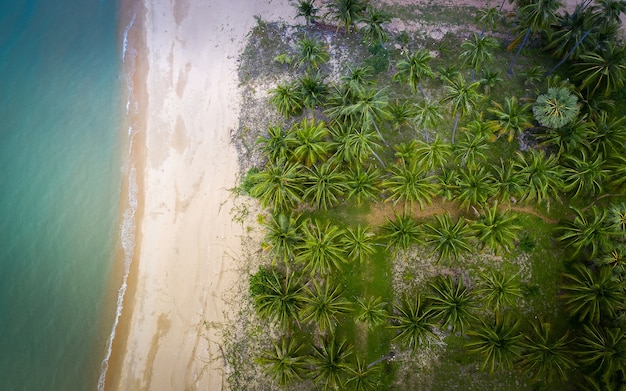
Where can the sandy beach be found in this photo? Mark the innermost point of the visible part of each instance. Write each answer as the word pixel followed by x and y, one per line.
pixel 188 241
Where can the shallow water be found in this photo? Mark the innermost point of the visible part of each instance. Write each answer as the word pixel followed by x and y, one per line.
pixel 61 159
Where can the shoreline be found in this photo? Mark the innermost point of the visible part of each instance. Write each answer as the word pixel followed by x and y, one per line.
pixel 186 242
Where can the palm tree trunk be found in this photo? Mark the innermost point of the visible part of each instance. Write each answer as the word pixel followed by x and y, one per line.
pixel 502 5
pixel 422 89
pixel 379 135
pixel 456 123
pixel 568 53
pixel 379 159
pixel 521 46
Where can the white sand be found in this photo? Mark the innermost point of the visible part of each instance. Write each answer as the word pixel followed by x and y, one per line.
pixel 188 239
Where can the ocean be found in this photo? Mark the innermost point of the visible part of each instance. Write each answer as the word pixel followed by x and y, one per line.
pixel 63 155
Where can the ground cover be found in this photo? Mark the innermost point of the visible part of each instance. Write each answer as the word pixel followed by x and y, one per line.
pixel 420 227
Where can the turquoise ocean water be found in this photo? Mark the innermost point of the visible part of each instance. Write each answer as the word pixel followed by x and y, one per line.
pixel 61 165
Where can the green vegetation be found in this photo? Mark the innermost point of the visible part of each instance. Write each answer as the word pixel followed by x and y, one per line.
pixel 398 254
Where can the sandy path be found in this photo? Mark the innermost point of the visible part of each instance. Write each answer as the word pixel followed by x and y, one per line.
pixel 188 237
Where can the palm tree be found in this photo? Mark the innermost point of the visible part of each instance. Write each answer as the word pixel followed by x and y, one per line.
pixel 601 72
pixel 346 12
pixel 361 376
pixel 477 51
pixel 535 17
pixel 307 10
pixel 490 80
pixel 275 146
pixel 409 184
pixel 488 18
pixel 475 187
pixel 584 175
pixel 427 116
pixel 358 78
pixel 608 135
pixel 372 311
pixel 400 114
pixel 592 295
pixel 603 351
pixel 311 53
pixel 557 108
pixel 323 303
pixel 287 99
pixel 612 9
pixel 355 145
pixel 448 238
pixel 325 185
pixel 590 232
pixel 362 184
pixel 617 218
pixel 542 175
pixel 498 291
pixel 330 363
pixel 509 182
pixel 462 97
pixel 479 130
pixel 434 155
pixel 448 183
pixel 414 321
pixel 617 171
pixel 511 119
pixel 414 68
pixel 496 229
pixel 472 151
pixel 452 302
pixel 278 186
pixel 359 243
pixel 570 138
pixel 371 106
pixel 281 299
pixel 373 31
pixel 282 236
pixel 321 251
pixel 309 141
pixel 313 90
pixel 498 343
pixel 284 363
pixel 546 355
pixel 402 232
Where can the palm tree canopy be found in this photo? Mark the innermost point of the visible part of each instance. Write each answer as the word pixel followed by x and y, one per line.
pixel 284 362
pixel 499 344
pixel 557 108
pixel 414 68
pixel 415 323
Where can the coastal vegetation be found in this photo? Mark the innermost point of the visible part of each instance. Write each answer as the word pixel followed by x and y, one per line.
pixel 438 209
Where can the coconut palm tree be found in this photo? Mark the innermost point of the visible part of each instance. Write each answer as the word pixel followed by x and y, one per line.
pixel 371 311
pixel 584 175
pixel 603 351
pixel 275 146
pixel 543 176
pixel 511 118
pixel 360 378
pixel 278 186
pixel 330 363
pixel 321 251
pixel 472 151
pixel 498 291
pixel 402 232
pixel 414 321
pixel 535 17
pixel 284 363
pixel 608 134
pixel 617 218
pixel 282 235
pixel 448 238
pixel 371 107
pixel 409 184
pixel 592 295
pixel 556 108
pixel 287 98
pixel 281 300
pixel 427 116
pixel 401 114
pixel 346 12
pixel 448 182
pixel 508 181
pixel 358 78
pixel 477 51
pixel 323 303
pixel 434 155
pixel 488 18
pixel 462 97
pixel 313 90
pixel 325 185
pixel 362 184
pixel 588 231
pixel 490 80
pixel 475 187
pixel 354 145
pixel 453 303
pixel 570 138
pixel 601 72
pixel 617 171
pixel 309 141
pixel 496 229
pixel 307 10
pixel 546 355
pixel 359 243
pixel 499 344
pixel 414 69
pixel 311 54
pixel 374 19
pixel 479 130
